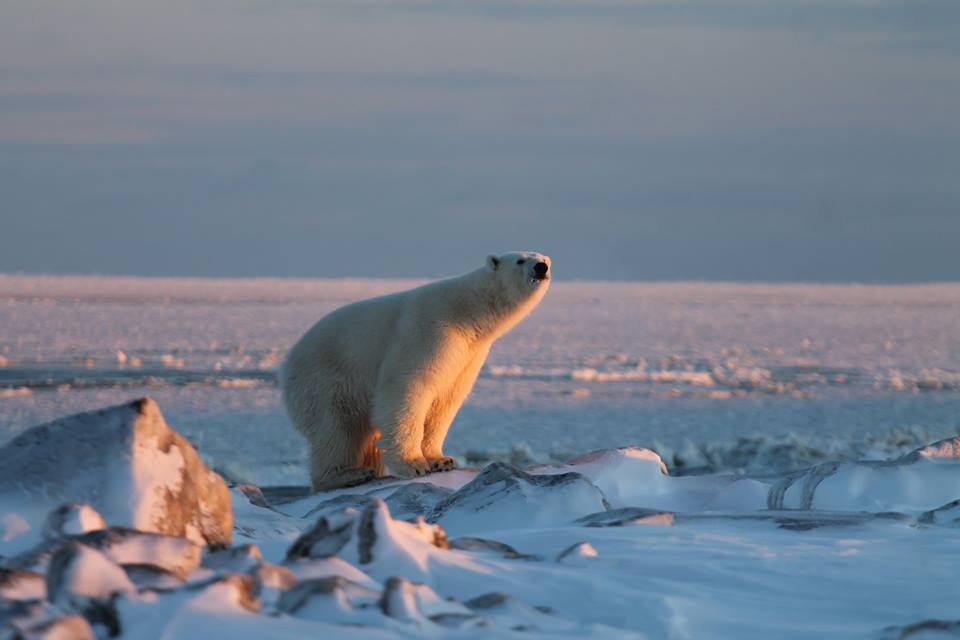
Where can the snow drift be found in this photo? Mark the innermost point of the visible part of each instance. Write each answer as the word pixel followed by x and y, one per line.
pixel 608 544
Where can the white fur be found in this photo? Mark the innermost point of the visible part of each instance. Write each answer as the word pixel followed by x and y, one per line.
pixel 398 367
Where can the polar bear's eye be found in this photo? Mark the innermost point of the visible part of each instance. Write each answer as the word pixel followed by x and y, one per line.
pixel 520 261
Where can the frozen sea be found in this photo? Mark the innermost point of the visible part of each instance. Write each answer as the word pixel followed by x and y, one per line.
pixel 757 379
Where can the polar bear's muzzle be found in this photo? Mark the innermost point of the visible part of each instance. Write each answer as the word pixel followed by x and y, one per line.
pixel 541 271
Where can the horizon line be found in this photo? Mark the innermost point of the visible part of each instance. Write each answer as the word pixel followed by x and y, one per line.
pixel 573 280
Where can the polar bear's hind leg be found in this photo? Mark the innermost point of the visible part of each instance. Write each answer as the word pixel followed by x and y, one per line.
pixel 348 456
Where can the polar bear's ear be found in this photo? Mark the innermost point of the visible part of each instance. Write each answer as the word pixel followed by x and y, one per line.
pixel 493 262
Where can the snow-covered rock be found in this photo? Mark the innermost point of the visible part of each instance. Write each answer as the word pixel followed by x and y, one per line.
pixel 372 539
pixel 404 500
pixel 83 580
pixel 948 514
pixel 502 496
pixel 637 477
pixel 273 581
pixel 418 604
pixel 21 584
pixel 511 613
pixel 72 518
pixel 605 545
pixel 626 516
pixel 77 571
pixel 126 463
pixel 239 559
pixel 483 545
pixel 333 599
pixel 66 627
pixel 577 552
pixel 946 450
pixel 908 486
pixel 122 546
pixel 151 577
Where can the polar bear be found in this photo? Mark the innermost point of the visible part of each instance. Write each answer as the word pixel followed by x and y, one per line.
pixel 375 384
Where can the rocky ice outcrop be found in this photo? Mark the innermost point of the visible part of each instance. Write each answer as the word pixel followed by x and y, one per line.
pixel 376 561
pixel 121 582
pixel 126 463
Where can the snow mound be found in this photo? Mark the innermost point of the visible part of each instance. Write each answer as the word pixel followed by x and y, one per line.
pixel 637 477
pixel 946 450
pixel 332 599
pixel 123 546
pixel 513 614
pixel 406 501
pixel 72 518
pixel 374 540
pixel 417 604
pixel 126 463
pixel 907 486
pixel 21 584
pixel 607 544
pixel 501 496
pixel 948 514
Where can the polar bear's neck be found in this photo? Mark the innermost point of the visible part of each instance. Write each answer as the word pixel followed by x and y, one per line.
pixel 488 311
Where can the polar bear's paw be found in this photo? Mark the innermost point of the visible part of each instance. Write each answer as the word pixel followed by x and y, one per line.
pixel 442 463
pixel 408 468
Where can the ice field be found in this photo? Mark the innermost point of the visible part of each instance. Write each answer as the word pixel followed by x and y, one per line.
pixel 734 377
pixel 781 483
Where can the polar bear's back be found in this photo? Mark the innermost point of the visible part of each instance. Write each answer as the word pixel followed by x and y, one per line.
pixel 350 339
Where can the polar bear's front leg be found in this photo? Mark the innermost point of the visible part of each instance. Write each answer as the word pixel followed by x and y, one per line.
pixel 399 412
pixel 444 410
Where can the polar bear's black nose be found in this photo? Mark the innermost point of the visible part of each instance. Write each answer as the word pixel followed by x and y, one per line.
pixel 540 269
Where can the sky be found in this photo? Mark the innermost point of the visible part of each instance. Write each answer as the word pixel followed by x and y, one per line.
pixel 757 140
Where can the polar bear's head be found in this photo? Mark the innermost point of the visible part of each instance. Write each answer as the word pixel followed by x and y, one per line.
pixel 521 274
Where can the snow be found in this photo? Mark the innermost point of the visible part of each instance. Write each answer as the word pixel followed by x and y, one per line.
pixel 608 544
pixel 676 460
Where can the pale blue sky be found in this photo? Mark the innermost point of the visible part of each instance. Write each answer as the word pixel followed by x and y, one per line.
pixel 705 139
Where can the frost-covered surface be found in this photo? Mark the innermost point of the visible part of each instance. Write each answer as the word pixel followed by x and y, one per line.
pixel 607 545
pixel 822 421
pixel 126 462
pixel 761 378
